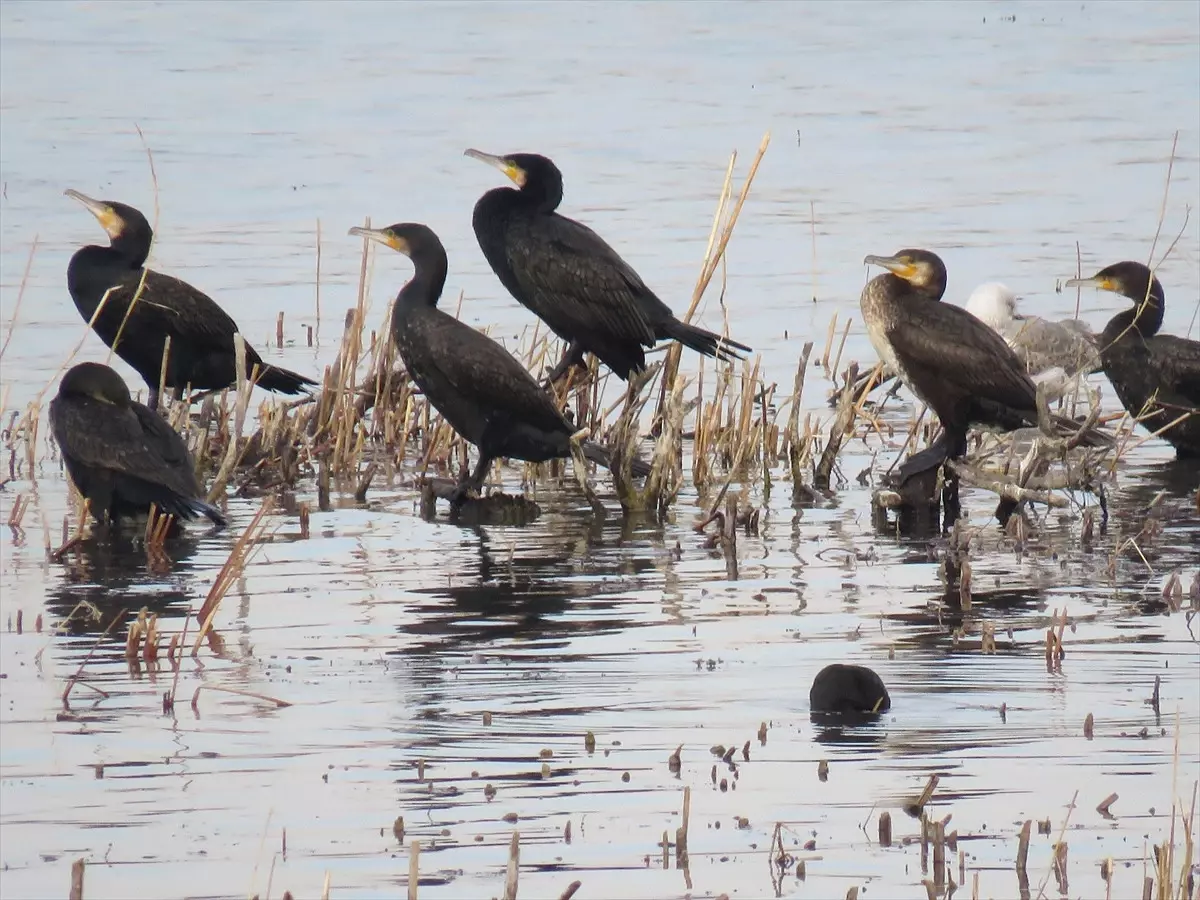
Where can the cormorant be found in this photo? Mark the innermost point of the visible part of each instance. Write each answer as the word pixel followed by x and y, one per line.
pixel 566 274
pixel 1156 376
pixel 963 370
pixel 122 455
pixel 1040 344
pixel 478 386
pixel 840 688
pixel 202 348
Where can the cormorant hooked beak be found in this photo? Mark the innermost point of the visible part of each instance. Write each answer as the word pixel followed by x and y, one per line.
pixel 383 236
pixel 1100 284
pixel 112 223
pixel 514 172
pixel 897 265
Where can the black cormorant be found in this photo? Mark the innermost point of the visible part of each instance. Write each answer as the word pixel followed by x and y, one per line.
pixel 202 347
pixel 1156 376
pixel 478 386
pixel 570 278
pixel 840 688
pixel 122 455
pixel 960 367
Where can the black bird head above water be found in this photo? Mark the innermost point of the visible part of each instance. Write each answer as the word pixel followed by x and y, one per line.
pixel 96 381
pixel 122 223
pixel 922 269
pixel 535 175
pixel 420 244
pixel 1136 282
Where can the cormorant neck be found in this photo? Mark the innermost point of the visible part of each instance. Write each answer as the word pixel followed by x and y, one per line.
pixel 132 245
pixel 426 285
pixel 543 195
pixel 1145 317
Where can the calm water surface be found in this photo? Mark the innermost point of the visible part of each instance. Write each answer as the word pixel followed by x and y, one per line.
pixel 999 134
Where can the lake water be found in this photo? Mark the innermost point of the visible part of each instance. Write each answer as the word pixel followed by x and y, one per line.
pixel 1001 135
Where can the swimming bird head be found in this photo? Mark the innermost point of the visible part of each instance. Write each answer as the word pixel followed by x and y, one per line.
pixel 96 381
pixel 993 304
pixel 924 270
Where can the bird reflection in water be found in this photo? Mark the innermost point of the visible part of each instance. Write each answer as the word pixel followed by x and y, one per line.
pixel 105 582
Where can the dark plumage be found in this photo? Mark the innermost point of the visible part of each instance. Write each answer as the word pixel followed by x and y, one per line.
pixel 122 455
pixel 202 347
pixel 478 386
pixel 1156 376
pixel 566 274
pixel 840 688
pixel 960 367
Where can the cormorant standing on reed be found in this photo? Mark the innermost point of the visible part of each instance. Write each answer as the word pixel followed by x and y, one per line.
pixel 122 455
pixel 960 367
pixel 202 347
pixel 566 274
pixel 1156 376
pixel 478 386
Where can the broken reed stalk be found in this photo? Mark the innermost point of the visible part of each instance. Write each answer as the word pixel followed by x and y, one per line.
pixel 513 871
pixel 79 671
pixel 12 322
pixel 243 550
pixel 665 479
pixel 681 833
pixel 793 446
pixel 242 392
pixel 77 870
pixel 279 704
pixel 414 869
pixel 713 256
pixel 843 424
pixel 1061 832
pixel 580 468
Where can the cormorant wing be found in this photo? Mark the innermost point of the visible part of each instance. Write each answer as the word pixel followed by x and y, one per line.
pixel 478 368
pixel 568 269
pixel 939 343
pixel 169 305
pixel 1179 362
pixel 135 442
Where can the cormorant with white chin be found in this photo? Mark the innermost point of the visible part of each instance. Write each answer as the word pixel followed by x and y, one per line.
pixel 1156 376
pixel 961 368
pixel 567 276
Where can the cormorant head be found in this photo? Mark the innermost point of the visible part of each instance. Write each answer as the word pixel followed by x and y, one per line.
pixel 118 220
pixel 1129 279
pixel 924 270
pixel 533 174
pixel 413 240
pixel 97 381
pixel 993 304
